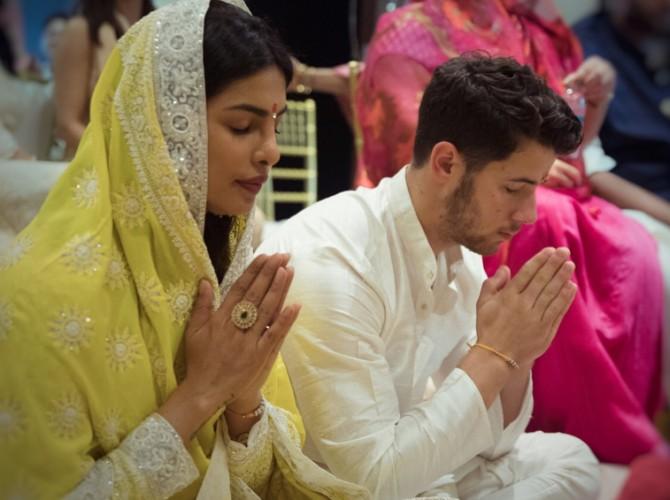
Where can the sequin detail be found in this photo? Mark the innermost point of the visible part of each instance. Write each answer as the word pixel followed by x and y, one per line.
pixel 180 297
pixel 128 206
pixel 66 415
pixel 16 251
pixel 117 274
pixel 12 419
pixel 86 189
pixel 71 329
pixel 83 255
pixel 122 350
pixel 111 429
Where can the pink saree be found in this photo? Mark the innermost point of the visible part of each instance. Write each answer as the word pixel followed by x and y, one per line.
pixel 600 379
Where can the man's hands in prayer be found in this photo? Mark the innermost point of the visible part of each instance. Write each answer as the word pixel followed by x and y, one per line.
pixel 520 316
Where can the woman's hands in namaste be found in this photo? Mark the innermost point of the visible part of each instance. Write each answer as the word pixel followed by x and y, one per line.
pixel 226 365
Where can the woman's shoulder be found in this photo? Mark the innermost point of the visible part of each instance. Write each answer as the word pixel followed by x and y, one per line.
pixel 77 26
pixel 75 39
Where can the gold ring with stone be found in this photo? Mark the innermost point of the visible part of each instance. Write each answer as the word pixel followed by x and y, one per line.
pixel 244 315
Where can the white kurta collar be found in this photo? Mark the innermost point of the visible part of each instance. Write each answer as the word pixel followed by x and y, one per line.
pixel 412 235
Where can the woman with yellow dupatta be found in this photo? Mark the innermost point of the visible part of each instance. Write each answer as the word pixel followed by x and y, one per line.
pixel 133 342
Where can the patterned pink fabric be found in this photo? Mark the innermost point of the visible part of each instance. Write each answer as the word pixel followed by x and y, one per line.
pixel 600 380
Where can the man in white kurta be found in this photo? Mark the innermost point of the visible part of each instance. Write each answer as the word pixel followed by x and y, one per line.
pixel 376 356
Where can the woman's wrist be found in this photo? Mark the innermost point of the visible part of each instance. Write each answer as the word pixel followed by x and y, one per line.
pixel 187 411
pixel 245 403
pixel 242 415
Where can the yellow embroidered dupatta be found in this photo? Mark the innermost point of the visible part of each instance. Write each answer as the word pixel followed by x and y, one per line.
pixel 95 293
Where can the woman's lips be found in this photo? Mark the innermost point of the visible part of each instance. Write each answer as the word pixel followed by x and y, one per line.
pixel 253 185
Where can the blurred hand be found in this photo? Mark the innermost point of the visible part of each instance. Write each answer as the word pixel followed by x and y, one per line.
pixel 562 174
pixel 595 79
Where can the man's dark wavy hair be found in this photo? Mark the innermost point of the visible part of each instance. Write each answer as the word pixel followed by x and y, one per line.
pixel 486 106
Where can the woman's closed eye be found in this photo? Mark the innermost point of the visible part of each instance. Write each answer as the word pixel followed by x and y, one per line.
pixel 240 130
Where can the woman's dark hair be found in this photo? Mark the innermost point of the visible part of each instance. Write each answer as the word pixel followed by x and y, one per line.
pixel 99 12
pixel 237 45
pixel 486 106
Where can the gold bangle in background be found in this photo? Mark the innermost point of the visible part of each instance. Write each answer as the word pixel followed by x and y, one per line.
pixel 354 72
pixel 303 87
pixel 508 360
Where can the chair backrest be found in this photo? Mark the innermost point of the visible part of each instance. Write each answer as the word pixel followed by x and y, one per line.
pixel 294 179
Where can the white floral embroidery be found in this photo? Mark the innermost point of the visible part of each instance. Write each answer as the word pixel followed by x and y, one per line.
pixel 180 296
pixel 66 416
pixel 86 189
pixel 83 254
pixel 150 292
pixel 71 329
pixel 123 350
pixel 158 365
pixel 166 464
pixel 112 428
pixel 128 206
pixel 101 481
pixel 16 251
pixel 117 271
pixel 12 419
pixel 6 318
pixel 185 80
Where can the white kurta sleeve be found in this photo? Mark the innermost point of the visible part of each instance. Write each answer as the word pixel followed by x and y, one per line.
pixel 346 394
pixel 504 439
pixel 152 462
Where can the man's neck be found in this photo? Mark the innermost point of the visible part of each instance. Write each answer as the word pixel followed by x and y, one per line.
pixel 422 198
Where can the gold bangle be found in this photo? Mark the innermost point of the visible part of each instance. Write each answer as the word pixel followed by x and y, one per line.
pixel 256 412
pixel 303 87
pixel 508 360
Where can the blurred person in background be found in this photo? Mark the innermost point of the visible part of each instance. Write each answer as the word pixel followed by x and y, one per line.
pixel 634 35
pixel 52 32
pixel 11 25
pixel 86 44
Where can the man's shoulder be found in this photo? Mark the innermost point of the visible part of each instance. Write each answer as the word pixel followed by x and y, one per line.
pixel 351 218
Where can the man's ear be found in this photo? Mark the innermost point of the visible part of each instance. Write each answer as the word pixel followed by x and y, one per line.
pixel 445 160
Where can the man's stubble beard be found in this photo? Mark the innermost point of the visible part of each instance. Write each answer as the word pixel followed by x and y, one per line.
pixel 461 219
